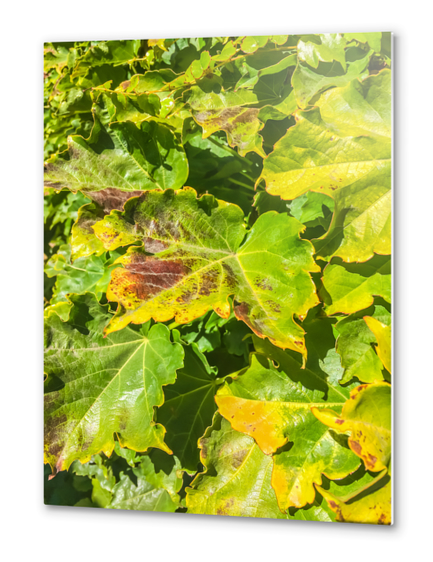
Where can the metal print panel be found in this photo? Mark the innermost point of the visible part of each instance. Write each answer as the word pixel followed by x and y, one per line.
pixel 218 276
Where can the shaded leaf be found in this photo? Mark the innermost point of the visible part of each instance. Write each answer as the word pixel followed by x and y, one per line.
pixel 133 159
pixel 188 407
pixel 150 490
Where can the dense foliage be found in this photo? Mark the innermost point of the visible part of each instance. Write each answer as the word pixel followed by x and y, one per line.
pixel 217 276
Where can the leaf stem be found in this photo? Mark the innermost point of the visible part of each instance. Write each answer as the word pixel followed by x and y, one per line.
pixel 241 183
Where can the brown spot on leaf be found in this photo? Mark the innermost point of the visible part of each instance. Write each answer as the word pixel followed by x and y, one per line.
pixel 238 458
pixel 263 284
pixel 241 312
pixel 356 447
pixel 146 276
pixel 371 460
pixel 153 246
pixel 111 198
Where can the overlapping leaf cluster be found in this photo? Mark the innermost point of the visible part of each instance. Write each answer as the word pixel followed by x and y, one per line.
pixel 218 276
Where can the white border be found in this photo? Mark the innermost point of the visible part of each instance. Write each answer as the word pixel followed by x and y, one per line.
pixel 29 528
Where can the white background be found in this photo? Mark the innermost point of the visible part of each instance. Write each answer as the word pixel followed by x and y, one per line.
pixel 29 529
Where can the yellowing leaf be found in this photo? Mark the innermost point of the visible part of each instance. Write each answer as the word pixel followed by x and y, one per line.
pixel 370 505
pixel 342 148
pixel 382 333
pixel 367 416
pixel 354 345
pixel 203 255
pixel 273 409
pixel 237 479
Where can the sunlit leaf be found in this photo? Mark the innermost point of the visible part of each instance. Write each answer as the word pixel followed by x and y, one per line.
pixel 367 416
pixel 202 255
pixel 97 386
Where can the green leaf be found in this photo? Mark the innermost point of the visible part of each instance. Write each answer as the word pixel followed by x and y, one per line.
pixel 106 52
pixel 354 345
pixel 203 254
pixel 307 83
pixel 97 386
pixel 90 274
pixel 150 490
pixel 133 159
pixel 351 291
pixel 188 407
pixel 280 411
pixel 372 38
pixel 83 240
pixel 367 416
pixel 326 47
pixel 237 479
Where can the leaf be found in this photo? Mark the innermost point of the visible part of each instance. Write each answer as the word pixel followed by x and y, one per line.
pixel 99 386
pixel 264 63
pixel 237 479
pixel 202 256
pixel 55 57
pixel 133 159
pixel 229 112
pixel 344 152
pixel 311 157
pixel 352 291
pixel 308 208
pixel 372 505
pixel 372 38
pixel 326 47
pixel 382 333
pixel 367 415
pixel 149 490
pixel 90 274
pixel 83 239
pixel 107 52
pixel 354 345
pixel 188 407
pixel 269 412
pixel 277 411
pixel 307 82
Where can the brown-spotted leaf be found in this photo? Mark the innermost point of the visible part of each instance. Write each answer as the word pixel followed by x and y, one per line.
pixel 367 416
pixel 275 410
pixel 202 256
